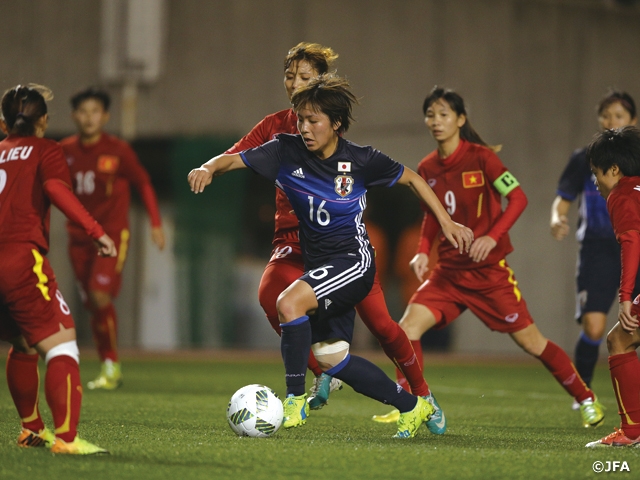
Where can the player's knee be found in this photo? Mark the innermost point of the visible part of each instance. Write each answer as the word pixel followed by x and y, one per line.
pixel 412 327
pixel 99 300
pixel 69 349
pixel 330 353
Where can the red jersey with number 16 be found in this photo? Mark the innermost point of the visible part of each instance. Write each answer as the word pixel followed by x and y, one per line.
pixel 102 174
pixel 285 121
pixel 26 164
pixel 470 183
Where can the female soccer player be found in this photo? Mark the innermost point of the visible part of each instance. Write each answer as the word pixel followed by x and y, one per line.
pixel 599 259
pixel 102 168
pixel 469 178
pixel 326 178
pixel 302 63
pixel 615 162
pixel 34 317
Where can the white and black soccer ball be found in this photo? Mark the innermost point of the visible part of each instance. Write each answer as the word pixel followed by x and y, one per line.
pixel 255 411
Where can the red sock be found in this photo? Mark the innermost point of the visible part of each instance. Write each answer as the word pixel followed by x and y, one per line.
pixel 625 376
pixel 24 384
pixel 64 395
pixel 104 324
pixel 559 364
pixel 409 375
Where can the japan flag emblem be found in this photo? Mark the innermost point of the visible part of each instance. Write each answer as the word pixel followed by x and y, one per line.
pixel 343 185
pixel 344 167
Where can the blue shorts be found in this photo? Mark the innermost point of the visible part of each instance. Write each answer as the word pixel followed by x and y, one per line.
pixel 598 276
pixel 339 285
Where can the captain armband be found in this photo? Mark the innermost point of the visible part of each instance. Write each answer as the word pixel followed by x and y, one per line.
pixel 505 183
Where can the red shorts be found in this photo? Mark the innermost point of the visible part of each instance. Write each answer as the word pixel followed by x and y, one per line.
pixel 490 292
pixel 94 272
pixel 30 303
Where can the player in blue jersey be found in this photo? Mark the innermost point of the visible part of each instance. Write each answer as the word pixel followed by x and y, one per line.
pixel 598 274
pixel 325 178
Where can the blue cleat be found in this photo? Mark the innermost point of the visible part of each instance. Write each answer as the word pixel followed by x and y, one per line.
pixel 437 423
pixel 322 387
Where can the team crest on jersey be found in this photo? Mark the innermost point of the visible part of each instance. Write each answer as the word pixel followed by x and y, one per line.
pixel 343 185
pixel 108 163
pixel 472 179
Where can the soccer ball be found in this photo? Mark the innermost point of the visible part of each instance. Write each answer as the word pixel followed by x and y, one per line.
pixel 255 411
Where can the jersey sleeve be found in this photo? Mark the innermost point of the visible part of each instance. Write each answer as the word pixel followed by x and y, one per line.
pixel 629 259
pixel 53 164
pixel 571 182
pixel 258 135
pixel 62 197
pixel 382 171
pixel 428 231
pixel 624 212
pixel 132 169
pixel 265 159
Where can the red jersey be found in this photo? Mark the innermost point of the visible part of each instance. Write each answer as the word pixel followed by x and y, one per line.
pixel 285 121
pixel 623 204
pixel 26 164
pixel 470 183
pixel 102 174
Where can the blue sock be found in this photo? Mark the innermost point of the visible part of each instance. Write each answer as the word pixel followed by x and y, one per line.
pixel 586 357
pixel 295 345
pixel 366 378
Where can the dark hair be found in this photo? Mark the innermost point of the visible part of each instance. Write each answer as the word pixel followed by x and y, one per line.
pixel 319 57
pixel 456 103
pixel 93 93
pixel 619 146
pixel 623 98
pixel 330 94
pixel 23 106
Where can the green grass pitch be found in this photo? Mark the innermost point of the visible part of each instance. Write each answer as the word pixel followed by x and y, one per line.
pixel 506 420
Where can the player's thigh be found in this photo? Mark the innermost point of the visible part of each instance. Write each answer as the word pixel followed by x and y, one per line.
pixel 493 295
pixel 284 268
pixel 105 277
pixel 34 304
pixel 598 277
pixel 441 297
pixel 82 255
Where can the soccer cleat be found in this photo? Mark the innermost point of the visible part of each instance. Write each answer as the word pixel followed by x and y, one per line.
pixel 615 439
pixel 409 422
pixel 110 377
pixel 77 447
pixel 322 387
pixel 296 410
pixel 437 424
pixel 29 438
pixel 592 412
pixel 391 417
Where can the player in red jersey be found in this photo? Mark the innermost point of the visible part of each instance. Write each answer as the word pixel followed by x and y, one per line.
pixel 615 161
pixel 302 63
pixel 470 180
pixel 34 317
pixel 102 168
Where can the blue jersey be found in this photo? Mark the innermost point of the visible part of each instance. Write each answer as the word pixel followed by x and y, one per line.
pixel 577 181
pixel 328 196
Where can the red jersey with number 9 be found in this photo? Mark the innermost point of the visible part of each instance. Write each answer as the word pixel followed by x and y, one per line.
pixel 26 163
pixel 470 184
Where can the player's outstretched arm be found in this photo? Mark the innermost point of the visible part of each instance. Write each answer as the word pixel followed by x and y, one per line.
pixel 199 178
pixel 559 222
pixel 460 236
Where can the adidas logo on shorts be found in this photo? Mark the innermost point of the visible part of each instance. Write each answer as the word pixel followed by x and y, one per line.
pixel 298 173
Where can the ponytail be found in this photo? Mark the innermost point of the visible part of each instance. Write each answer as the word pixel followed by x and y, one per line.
pixel 23 106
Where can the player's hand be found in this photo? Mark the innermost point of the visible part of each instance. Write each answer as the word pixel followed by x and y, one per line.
pixel 199 178
pixel 481 248
pixel 460 236
pixel 628 322
pixel 560 227
pixel 106 247
pixel 157 236
pixel 419 265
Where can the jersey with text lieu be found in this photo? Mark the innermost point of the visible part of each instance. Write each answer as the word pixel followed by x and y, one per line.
pixel 466 183
pixel 328 196
pixel 26 163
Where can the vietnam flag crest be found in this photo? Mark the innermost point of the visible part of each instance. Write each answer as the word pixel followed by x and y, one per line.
pixel 472 179
pixel 108 163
